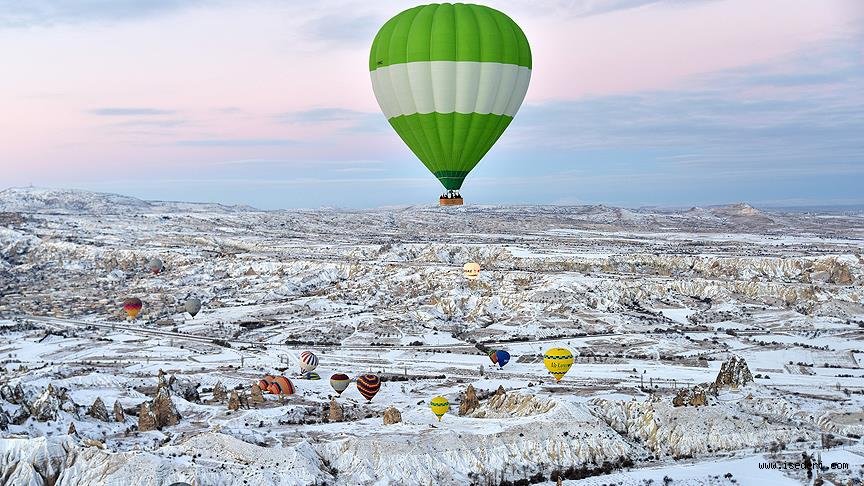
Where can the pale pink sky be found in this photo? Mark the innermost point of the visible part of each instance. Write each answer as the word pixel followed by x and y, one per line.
pixel 210 84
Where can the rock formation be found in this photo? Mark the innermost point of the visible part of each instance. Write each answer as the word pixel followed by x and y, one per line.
pixel 234 401
pixel 4 419
pixel 12 395
pixel 164 409
pixel 184 388
pixel 146 418
pixel 469 401
pixel 733 373
pixel 219 392
pixel 98 410
pixel 500 391
pixel 513 405
pixel 47 406
pixel 72 430
pixel 119 414
pixel 392 416
pixel 20 416
pixel 695 397
pixel 257 396
pixel 336 414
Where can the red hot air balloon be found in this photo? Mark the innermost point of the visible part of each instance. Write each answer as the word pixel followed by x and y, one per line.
pixel 132 306
pixel 368 386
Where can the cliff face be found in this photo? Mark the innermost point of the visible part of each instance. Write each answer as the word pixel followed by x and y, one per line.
pixel 683 431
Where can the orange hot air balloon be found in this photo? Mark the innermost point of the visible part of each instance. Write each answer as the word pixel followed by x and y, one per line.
pixel 277 385
pixel 132 306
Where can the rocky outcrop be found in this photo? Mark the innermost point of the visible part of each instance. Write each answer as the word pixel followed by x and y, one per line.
pixel 185 388
pixel 4 419
pixel 219 392
pixel 733 373
pixel 72 430
pixel 513 405
pixel 500 391
pixel 392 416
pixel 257 396
pixel 234 401
pixel 47 406
pixel 164 409
pixel 469 401
pixel 119 414
pixel 19 416
pixel 336 413
pixel 146 418
pixel 694 397
pixel 98 411
pixel 13 395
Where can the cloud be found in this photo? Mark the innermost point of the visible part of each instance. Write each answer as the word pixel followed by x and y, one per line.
pixel 238 142
pixel 130 112
pixel 150 123
pixel 17 13
pixel 342 28
pixel 349 120
pixel 785 119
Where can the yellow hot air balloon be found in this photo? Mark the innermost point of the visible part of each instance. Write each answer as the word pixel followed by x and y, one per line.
pixel 439 406
pixel 471 270
pixel 558 361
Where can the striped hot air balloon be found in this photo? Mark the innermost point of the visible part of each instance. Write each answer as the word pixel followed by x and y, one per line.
pixel 439 406
pixel 558 361
pixel 132 306
pixel 368 386
pixel 339 382
pixel 277 385
pixel 450 78
pixel 308 361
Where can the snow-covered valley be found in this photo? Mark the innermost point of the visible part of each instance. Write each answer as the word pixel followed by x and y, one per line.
pixel 657 306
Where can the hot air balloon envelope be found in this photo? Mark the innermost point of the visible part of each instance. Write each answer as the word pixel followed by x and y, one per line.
pixel 558 361
pixel 500 357
pixel 471 270
pixel 439 406
pixel 450 78
pixel 155 265
pixel 192 306
pixel 132 306
pixel 339 382
pixel 368 386
pixel 308 361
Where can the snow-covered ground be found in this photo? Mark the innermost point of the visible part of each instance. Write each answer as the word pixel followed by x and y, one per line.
pixel 650 302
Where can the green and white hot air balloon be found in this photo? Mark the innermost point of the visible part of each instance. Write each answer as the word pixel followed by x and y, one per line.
pixel 450 78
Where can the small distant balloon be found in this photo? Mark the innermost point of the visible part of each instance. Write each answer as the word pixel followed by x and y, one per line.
pixel 471 270
pixel 368 386
pixel 155 265
pixel 192 306
pixel 439 406
pixel 277 385
pixel 311 376
pixel 308 361
pixel 500 357
pixel 132 306
pixel 558 361
pixel 339 382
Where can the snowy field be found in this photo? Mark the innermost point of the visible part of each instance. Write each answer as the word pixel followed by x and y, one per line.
pixel 651 303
